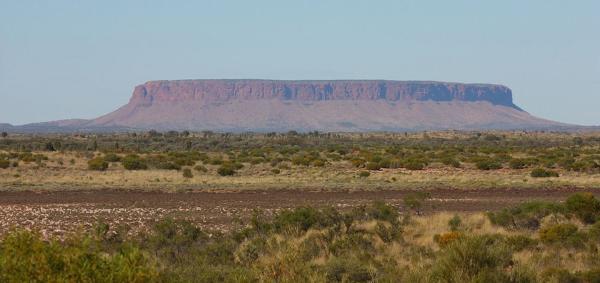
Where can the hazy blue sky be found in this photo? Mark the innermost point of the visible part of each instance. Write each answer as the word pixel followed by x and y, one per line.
pixel 80 59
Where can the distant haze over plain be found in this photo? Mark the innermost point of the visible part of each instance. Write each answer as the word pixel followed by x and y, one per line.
pixel 64 59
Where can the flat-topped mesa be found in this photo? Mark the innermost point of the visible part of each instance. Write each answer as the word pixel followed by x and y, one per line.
pixel 402 91
pixel 329 106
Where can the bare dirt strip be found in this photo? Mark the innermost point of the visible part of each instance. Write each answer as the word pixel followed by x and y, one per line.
pixel 63 211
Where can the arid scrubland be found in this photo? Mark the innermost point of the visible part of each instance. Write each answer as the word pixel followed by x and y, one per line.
pixel 212 207
pixel 531 242
pixel 318 161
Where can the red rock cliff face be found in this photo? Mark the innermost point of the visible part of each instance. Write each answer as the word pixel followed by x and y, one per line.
pixel 265 105
pixel 226 90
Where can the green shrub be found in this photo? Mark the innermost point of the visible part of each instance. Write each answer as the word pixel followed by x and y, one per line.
pixel 388 163
pixel 97 164
pixel 585 206
pixel 473 259
pixel 347 245
pixel 564 275
pixel 414 165
pixel 301 160
pixel 563 234
pixel 364 174
pixel 313 246
pixel 356 162
pixel 304 218
pixel 382 211
pixel 543 173
pixel 133 162
pixel 200 168
pixel 252 250
pixel 226 170
pixel 347 270
pixel 172 238
pixel 581 166
pixel 26 257
pixel 4 164
pixel 29 157
pixel 558 275
pixel 454 223
pixel 517 163
pixel 275 171
pixel 488 164
pixel 215 161
pixel 492 138
pixel 524 216
pixel 520 242
pixel 166 165
pixel 373 166
pixel 111 157
pixel 187 173
pixel 414 201
pixel 591 275
pixel 388 234
pixel 451 162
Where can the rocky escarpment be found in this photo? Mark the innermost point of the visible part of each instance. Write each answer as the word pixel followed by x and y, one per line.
pixel 225 90
pixel 266 105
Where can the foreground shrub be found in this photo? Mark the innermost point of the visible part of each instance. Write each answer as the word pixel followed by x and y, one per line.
pixel 187 173
pixel 415 201
pixel 414 165
pixel 373 166
pixel 388 233
pixel 382 211
pixel 358 163
pixel 4 164
pixel 584 206
pixel 473 259
pixel 364 174
pixel 303 245
pixel 347 270
pixel 558 275
pixel 304 218
pixel 449 161
pixel 454 223
pixel 171 238
pixel 517 163
pixel 201 168
pixel 520 242
pixel 167 166
pixel 561 234
pixel 97 164
pixel 488 164
pixel 111 157
pixel 524 216
pixel 29 157
pixel 25 257
pixel 543 173
pixel 133 162
pixel 226 170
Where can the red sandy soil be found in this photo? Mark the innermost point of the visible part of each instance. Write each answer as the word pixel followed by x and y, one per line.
pixel 63 211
